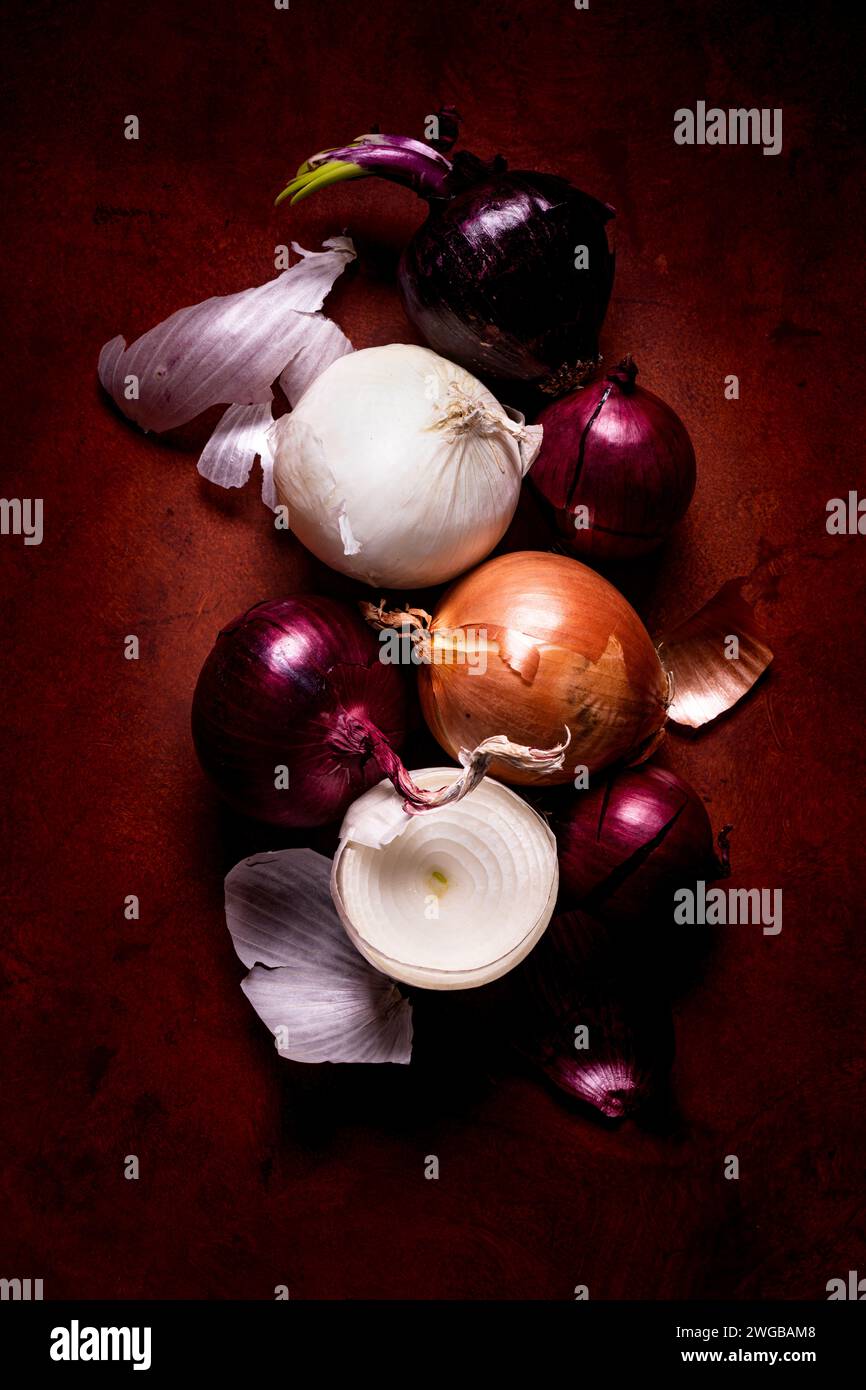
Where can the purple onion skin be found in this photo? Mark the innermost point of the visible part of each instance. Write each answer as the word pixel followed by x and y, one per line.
pixel 490 277
pixel 276 690
pixel 623 454
pixel 578 976
pixel 630 841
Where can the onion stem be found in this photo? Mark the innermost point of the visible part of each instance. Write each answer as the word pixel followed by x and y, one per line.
pixel 355 734
pixel 396 158
pixel 441 647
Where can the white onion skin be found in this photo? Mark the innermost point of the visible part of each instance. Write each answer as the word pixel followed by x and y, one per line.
pixel 379 488
pixel 614 712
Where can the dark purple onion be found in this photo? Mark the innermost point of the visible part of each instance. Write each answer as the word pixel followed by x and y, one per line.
pixel 490 279
pixel 296 682
pixel 630 840
pixel 625 456
pixel 579 976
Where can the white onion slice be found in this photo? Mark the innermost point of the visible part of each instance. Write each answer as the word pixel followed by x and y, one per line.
pixel 322 1001
pixel 449 899
pixel 228 350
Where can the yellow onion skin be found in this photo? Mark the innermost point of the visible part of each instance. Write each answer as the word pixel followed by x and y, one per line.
pixel 563 649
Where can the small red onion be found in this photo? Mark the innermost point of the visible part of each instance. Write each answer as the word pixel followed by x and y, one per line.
pixel 629 840
pixel 592 1019
pixel 622 457
pixel 297 683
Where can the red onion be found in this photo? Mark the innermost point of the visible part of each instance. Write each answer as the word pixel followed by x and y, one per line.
pixel 297 683
pixel 616 465
pixel 592 1019
pixel 511 273
pixel 295 715
pixel 630 839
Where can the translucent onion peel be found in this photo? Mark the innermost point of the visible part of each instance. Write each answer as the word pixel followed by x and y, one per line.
pixel 229 350
pixel 240 435
pixel 707 679
pixel 399 467
pixel 322 1001
pixel 451 899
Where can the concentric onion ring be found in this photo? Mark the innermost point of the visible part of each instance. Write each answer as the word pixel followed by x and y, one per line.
pixel 456 897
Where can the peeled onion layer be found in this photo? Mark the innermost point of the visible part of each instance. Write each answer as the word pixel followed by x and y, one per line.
pixel 707 681
pixel 452 898
pixel 228 350
pixel 322 1001
pixel 399 467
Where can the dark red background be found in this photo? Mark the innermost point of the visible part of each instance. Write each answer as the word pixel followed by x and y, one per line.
pixel 128 1037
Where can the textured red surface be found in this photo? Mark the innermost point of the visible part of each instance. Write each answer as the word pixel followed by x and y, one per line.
pixel 134 1037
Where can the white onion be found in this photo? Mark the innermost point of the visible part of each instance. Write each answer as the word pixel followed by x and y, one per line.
pixel 449 899
pixel 399 467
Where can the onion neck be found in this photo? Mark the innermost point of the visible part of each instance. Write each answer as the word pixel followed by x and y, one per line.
pixel 624 375
pixel 464 414
pixel 353 733
pixel 431 646
pixel 397 158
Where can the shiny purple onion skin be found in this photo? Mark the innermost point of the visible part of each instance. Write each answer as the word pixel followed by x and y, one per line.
pixel 490 277
pixel 579 976
pixel 626 456
pixel 276 690
pixel 629 841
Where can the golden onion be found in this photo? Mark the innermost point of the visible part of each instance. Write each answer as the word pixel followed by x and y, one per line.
pixel 534 644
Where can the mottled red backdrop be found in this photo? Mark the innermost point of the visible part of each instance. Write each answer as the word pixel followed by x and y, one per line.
pixel 134 1037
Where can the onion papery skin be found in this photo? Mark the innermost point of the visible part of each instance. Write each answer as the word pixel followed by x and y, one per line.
pixel 629 841
pixel 597 672
pixel 624 455
pixel 490 278
pixel 278 689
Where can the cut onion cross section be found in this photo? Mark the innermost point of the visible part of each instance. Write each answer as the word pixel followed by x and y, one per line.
pixel 451 899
